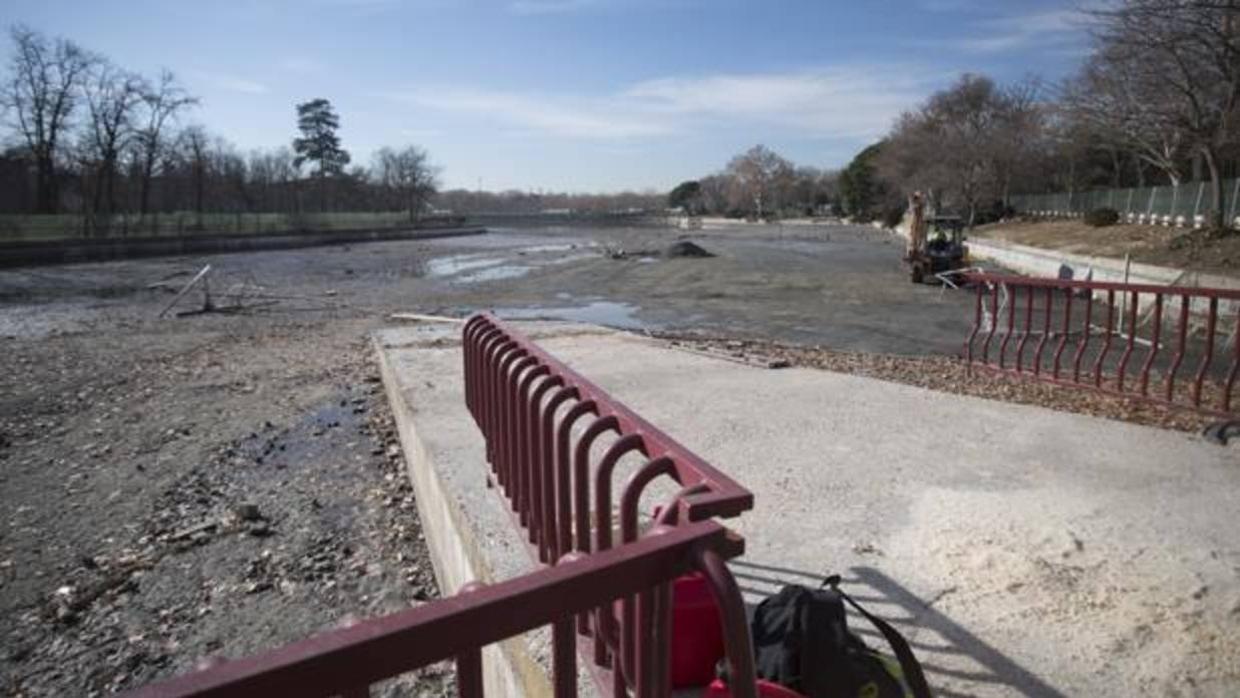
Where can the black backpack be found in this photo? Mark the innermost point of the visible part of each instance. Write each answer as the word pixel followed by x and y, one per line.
pixel 802 642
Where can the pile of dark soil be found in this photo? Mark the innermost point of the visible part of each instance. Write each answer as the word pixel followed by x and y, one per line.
pixel 685 248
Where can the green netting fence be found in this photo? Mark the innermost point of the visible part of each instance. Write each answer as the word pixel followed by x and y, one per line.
pixel 1187 200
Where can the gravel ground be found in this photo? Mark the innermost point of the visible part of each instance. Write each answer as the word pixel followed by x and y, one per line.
pixel 213 485
pixel 177 497
pixel 950 375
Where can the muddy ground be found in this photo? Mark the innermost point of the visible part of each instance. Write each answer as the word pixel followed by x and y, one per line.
pixel 210 485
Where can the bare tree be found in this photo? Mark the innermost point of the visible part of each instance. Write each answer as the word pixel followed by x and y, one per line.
pixel 163 102
pixel 40 96
pixel 407 172
pixel 1189 55
pixel 112 96
pixel 759 177
pixel 193 143
pixel 965 144
pixel 1111 99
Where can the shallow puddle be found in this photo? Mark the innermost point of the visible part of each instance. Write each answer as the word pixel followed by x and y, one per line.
pixel 606 313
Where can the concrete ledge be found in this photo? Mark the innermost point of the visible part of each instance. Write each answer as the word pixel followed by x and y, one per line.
pixel 1037 261
pixel 454 544
pixel 1023 551
pixel 469 531
pixel 74 251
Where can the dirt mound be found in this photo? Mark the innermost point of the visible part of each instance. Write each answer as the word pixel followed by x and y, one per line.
pixel 685 248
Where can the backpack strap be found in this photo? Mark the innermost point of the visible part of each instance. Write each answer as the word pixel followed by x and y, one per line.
pixel 904 654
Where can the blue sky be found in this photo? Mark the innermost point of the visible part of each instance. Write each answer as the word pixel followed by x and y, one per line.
pixel 576 95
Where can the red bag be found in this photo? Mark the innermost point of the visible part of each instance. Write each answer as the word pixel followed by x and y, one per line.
pixel 697 634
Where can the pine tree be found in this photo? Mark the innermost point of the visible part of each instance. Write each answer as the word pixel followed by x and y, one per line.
pixel 318 121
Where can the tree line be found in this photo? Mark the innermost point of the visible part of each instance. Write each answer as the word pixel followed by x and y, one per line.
pixel 1154 102
pixel 88 137
pixel 759 184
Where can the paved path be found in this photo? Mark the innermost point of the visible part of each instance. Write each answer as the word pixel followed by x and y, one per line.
pixel 1026 552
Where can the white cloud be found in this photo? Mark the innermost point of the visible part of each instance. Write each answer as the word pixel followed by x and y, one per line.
pixel 560 116
pixel 854 102
pixel 1043 29
pixel 230 83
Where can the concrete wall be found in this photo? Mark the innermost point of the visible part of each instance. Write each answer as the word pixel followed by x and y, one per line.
pixel 74 251
pixel 1040 262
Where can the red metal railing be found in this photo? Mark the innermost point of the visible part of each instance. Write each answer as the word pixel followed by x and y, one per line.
pixel 344 662
pixel 528 406
pixel 1125 339
pixel 618 595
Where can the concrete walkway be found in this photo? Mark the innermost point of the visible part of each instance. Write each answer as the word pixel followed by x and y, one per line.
pixel 1023 551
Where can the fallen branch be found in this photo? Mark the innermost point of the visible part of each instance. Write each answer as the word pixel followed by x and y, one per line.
pixel 419 317
pixel 192 283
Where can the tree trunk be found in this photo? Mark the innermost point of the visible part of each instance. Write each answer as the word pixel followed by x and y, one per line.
pixel 109 179
pixel 46 199
pixel 97 195
pixel 198 193
pixel 1215 218
pixel 148 170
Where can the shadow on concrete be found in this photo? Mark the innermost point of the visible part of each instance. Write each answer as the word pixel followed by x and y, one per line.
pixel 957 663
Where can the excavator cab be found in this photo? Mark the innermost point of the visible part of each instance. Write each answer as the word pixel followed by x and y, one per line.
pixel 943 249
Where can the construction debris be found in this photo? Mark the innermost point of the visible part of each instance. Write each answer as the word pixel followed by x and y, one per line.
pixel 206 292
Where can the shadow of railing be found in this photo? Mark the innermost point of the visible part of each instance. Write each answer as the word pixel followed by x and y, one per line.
pixel 957 662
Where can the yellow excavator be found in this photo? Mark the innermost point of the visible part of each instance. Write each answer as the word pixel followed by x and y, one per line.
pixel 935 244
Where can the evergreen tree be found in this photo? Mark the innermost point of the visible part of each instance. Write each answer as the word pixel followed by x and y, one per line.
pixel 318 121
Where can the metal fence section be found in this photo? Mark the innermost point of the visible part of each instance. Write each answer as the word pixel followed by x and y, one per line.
pixel 541 420
pixel 1185 204
pixel 616 596
pixel 1178 346
pixel 346 661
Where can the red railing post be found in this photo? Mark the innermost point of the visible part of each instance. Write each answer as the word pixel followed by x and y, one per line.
pixel 1046 332
pixel 1155 345
pixel 1181 341
pixel 1087 329
pixel 1067 330
pixel 469 673
pixel 1011 324
pixel 1208 354
pixel 1132 343
pixel 1185 344
pixel 1024 337
pixel 1235 363
pixel 994 323
pixel 977 325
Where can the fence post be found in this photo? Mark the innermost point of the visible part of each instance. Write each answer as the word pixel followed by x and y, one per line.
pixel 1235 192
pixel 1128 206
